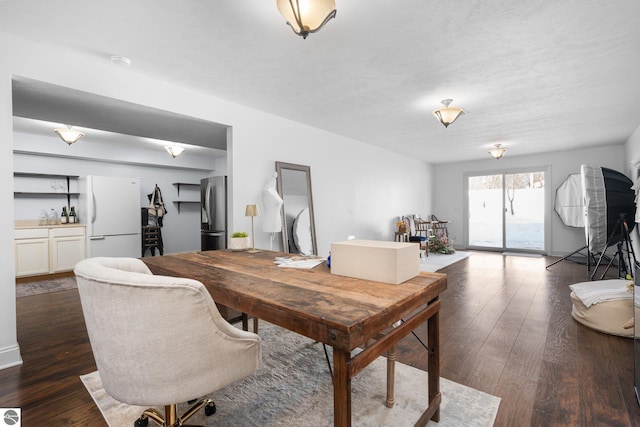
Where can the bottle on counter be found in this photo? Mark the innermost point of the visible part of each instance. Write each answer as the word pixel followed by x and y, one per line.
pixel 73 217
pixel 53 217
pixel 43 219
pixel 64 217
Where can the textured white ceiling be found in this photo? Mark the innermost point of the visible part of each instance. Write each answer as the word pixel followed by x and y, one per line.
pixel 535 76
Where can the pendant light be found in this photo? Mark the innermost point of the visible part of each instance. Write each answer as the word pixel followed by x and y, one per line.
pixel 447 115
pixel 306 16
pixel 497 152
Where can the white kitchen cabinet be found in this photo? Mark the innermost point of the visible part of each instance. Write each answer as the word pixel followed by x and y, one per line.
pixel 31 251
pixel 44 250
pixel 66 248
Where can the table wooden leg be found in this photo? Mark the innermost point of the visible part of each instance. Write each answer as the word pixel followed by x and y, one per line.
pixel 391 376
pixel 433 335
pixel 341 389
pixel 245 322
pixel 255 325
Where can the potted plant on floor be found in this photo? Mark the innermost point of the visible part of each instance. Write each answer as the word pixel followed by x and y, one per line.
pixel 239 241
pixel 442 245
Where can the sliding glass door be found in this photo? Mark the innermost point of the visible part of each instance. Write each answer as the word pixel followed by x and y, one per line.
pixel 507 211
pixel 485 194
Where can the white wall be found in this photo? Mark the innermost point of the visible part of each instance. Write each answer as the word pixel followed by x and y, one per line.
pixel 632 156
pixel 9 350
pixel 448 187
pixel 357 189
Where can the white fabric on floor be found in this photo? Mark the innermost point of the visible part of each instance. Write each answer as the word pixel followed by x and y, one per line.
pixel 598 291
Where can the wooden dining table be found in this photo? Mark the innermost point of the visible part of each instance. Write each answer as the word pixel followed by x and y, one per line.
pixel 343 312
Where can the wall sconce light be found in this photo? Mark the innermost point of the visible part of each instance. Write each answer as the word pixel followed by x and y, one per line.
pixel 447 115
pixel 497 152
pixel 174 150
pixel 252 210
pixel 69 135
pixel 306 16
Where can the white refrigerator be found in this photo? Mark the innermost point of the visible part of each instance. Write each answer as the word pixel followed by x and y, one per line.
pixel 110 208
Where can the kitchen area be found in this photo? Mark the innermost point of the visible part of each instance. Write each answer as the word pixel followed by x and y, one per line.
pixel 111 214
pixel 107 177
pixel 111 219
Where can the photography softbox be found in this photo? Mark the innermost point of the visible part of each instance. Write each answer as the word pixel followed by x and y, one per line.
pixel 607 197
pixel 569 205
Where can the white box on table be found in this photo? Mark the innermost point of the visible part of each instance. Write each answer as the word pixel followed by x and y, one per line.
pixel 382 261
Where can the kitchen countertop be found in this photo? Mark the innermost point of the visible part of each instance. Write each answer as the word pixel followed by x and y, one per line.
pixel 33 223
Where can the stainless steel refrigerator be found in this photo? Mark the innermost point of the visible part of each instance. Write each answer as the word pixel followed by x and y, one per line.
pixel 213 223
pixel 110 208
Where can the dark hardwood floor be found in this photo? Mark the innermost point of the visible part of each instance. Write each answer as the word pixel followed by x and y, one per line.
pixel 506 329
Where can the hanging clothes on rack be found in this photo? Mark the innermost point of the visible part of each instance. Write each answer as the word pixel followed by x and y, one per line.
pixel 157 209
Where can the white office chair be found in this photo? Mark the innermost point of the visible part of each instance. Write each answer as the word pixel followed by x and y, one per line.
pixel 159 340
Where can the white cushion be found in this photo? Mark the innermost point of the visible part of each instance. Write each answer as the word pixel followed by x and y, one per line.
pixel 597 291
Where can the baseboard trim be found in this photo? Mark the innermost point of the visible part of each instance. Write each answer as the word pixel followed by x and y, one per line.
pixel 51 276
pixel 525 254
pixel 10 356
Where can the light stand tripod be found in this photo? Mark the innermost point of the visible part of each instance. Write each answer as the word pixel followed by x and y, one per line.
pixel 623 231
pixel 578 251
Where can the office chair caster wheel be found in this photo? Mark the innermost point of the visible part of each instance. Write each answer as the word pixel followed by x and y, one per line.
pixel 210 409
pixel 141 422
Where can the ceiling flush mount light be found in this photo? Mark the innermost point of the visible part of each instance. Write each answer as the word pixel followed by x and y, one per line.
pixel 307 16
pixel 447 115
pixel 69 135
pixel 497 152
pixel 120 60
pixel 174 150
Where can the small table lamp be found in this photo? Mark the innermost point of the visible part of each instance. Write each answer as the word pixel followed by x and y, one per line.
pixel 252 210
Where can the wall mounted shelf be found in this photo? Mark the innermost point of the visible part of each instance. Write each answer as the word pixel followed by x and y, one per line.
pixel 49 194
pixel 43 193
pixel 184 184
pixel 44 175
pixel 185 202
pixel 181 202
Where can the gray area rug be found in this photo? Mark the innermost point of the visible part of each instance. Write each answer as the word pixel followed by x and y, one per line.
pixel 43 286
pixel 293 388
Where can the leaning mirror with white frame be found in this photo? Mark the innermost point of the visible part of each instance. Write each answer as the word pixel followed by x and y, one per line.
pixel 298 224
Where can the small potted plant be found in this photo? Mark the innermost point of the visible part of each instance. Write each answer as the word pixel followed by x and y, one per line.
pixel 239 241
pixel 442 245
